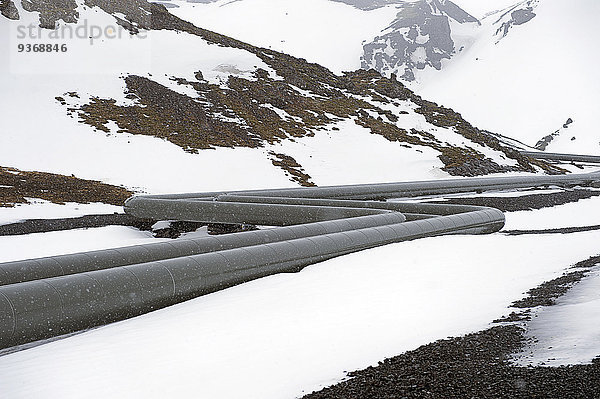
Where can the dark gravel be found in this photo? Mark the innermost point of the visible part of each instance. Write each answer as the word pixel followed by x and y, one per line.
pixel 474 366
pixel 565 230
pixel 477 365
pixel 527 202
pixel 90 221
pixel 174 230
pixel 547 293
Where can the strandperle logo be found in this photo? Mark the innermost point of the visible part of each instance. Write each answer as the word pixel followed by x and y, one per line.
pixel 84 31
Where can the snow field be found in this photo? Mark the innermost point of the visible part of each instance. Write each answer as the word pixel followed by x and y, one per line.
pixel 286 335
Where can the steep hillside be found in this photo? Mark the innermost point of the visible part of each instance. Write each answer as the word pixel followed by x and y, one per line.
pixel 530 75
pixel 422 35
pixel 402 37
pixel 500 69
pixel 261 117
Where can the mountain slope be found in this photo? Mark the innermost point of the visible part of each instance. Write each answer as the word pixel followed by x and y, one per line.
pixel 229 104
pixel 421 36
pixel 393 36
pixel 503 73
pixel 530 75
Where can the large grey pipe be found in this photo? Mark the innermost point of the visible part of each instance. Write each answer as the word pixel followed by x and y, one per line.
pixel 49 307
pixel 47 297
pixel 395 190
pixel 53 266
pixel 553 156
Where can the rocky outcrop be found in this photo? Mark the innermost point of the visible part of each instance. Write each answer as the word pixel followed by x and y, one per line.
pixel 516 15
pixel 51 11
pixel 545 141
pixel 420 37
pixel 9 10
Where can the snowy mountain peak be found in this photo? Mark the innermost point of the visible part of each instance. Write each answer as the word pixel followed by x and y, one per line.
pixel 420 37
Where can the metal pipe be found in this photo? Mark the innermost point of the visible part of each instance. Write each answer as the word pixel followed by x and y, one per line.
pixel 553 156
pixel 43 298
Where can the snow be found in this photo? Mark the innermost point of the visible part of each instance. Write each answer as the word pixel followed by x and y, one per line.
pixel 286 335
pixel 38 135
pixel 353 155
pixel 579 214
pixel 38 245
pixel 507 86
pixel 321 31
pixel 566 333
pixel 40 209
pixel 528 84
pixel 289 334
pixel 479 9
pixel 54 142
pixel 419 56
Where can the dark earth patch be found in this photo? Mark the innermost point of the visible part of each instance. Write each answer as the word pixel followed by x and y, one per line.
pixel 527 202
pixel 89 221
pixel 547 293
pixel 51 11
pixel 16 186
pixel 476 365
pixel 176 229
pixel 216 229
pixel 292 168
pixel 565 230
pixel 9 10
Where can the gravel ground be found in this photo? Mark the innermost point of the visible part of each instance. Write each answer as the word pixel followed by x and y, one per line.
pixel 478 365
pixel 527 202
pixel 474 366
pixel 90 221
pixel 564 230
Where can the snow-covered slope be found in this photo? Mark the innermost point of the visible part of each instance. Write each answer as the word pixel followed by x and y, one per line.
pixel 147 112
pixel 523 70
pixel 323 31
pixel 423 34
pixel 178 108
pixel 479 9
pixel 531 74
pixel 38 134
pixel 392 36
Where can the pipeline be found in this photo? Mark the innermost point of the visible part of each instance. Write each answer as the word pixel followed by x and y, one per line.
pixel 551 156
pixel 47 297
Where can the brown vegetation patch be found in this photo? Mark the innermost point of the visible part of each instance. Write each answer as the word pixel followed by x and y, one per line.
pixel 248 113
pixel 292 168
pixel 16 186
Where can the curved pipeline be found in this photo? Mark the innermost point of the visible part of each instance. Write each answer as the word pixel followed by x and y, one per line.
pixel 47 297
pixel 552 156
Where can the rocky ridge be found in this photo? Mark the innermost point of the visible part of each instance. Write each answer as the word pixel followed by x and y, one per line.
pixel 421 36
